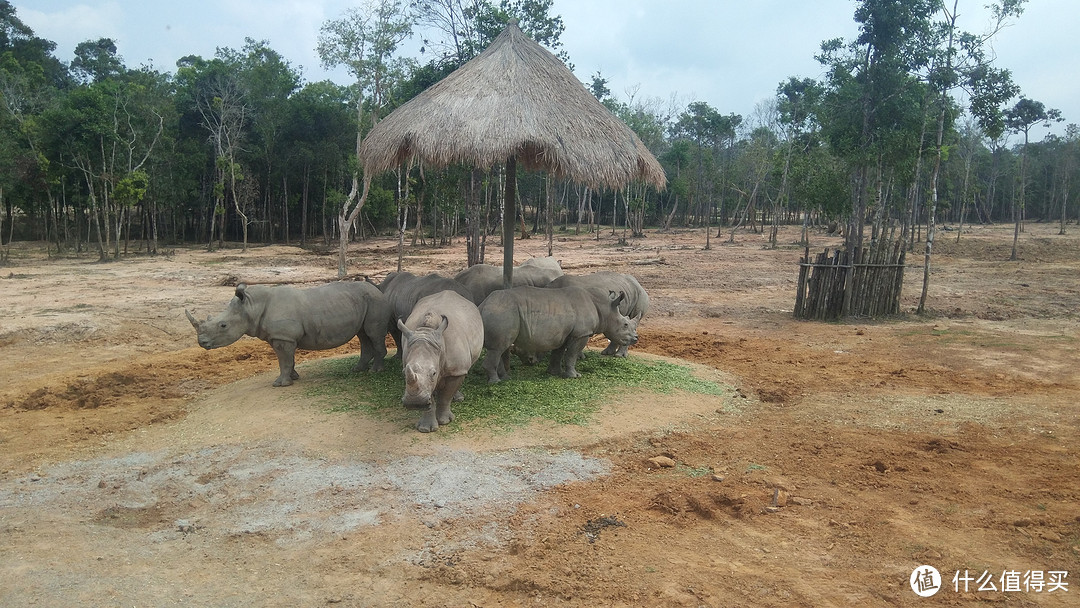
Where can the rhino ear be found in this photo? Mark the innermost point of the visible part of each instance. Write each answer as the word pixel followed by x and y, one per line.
pixel 241 291
pixel 405 331
pixel 443 324
pixel 616 298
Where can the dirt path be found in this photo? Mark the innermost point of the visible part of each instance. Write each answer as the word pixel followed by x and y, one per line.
pixel 137 469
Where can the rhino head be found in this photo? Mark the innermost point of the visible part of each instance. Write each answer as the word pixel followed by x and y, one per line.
pixel 227 327
pixel 619 328
pixel 421 362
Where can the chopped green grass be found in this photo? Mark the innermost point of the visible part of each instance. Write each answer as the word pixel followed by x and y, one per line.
pixel 530 393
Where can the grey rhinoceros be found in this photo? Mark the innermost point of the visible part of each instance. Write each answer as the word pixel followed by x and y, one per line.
pixel 482 279
pixel 634 306
pixel 441 340
pixel 540 319
pixel 404 289
pixel 317 318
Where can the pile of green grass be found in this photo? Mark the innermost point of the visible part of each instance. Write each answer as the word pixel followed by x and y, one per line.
pixel 530 393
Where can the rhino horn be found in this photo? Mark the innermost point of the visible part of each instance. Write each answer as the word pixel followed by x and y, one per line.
pixel 190 317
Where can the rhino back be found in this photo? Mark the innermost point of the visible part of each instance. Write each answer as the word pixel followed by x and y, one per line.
pixel 600 284
pixel 541 318
pixel 464 335
pixel 328 316
pixel 404 300
pixel 537 272
pixel 394 280
pixel 480 280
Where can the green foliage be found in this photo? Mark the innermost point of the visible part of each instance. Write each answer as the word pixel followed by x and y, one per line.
pixel 131 189
pixel 381 206
pixel 71 135
pixel 531 393
pixel 96 61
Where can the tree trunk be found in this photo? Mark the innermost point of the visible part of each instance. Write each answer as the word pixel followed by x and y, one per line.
pixel 346 222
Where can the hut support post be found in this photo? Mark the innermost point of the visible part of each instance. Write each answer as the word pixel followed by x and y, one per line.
pixel 509 217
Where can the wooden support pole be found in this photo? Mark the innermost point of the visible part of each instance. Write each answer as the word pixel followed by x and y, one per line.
pixel 509 217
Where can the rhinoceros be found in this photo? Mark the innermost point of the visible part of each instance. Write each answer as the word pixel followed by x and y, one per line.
pixel 317 318
pixel 539 319
pixel 635 305
pixel 482 279
pixel 441 340
pixel 404 289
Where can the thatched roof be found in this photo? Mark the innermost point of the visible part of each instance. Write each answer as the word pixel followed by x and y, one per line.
pixel 514 99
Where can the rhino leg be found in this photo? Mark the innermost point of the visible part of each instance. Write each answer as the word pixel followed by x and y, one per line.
pixel 395 333
pixel 492 363
pixel 615 350
pixel 286 356
pixel 378 349
pixel 572 352
pixel 428 423
pixel 504 365
pixel 366 354
pixel 439 412
pixel 372 354
pixel 555 367
pixel 444 396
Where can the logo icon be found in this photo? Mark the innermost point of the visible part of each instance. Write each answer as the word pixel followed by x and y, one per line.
pixel 925 581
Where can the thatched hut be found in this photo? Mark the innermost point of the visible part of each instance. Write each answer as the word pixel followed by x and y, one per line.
pixel 515 102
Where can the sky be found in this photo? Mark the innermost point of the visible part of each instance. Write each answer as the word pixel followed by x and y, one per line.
pixel 729 54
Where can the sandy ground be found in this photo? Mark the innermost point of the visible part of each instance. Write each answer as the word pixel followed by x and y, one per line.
pixel 139 470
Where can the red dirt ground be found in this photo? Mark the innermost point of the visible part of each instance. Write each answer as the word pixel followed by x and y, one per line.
pixel 845 454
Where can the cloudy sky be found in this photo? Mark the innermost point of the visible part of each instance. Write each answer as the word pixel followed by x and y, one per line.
pixel 730 54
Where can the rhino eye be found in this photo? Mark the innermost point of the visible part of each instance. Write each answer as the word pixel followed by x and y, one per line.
pixel 223 326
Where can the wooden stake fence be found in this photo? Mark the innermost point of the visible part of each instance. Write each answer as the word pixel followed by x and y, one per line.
pixel 874 280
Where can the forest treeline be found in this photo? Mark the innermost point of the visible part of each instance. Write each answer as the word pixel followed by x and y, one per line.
pixel 911 126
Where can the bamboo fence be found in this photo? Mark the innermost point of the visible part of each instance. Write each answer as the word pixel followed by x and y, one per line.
pixel 834 287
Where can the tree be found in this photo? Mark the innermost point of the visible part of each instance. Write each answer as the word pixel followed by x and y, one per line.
pixel 223 104
pixel 1070 145
pixel 873 101
pixel 958 59
pixel 798 102
pixel 453 20
pixel 1020 119
pixel 464 28
pixel 709 132
pixel 598 87
pixel 268 82
pixel 96 60
pixel 318 127
pixel 364 41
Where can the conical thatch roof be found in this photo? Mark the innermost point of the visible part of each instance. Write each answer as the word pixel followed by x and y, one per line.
pixel 514 99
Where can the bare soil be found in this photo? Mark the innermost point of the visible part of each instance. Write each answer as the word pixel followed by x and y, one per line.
pixel 137 469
